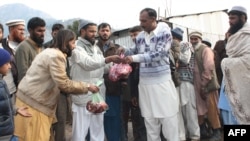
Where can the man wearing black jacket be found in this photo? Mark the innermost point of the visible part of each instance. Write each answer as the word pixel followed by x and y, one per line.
pixel 16 35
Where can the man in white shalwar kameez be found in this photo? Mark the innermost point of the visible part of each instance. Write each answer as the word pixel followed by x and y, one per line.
pixel 88 64
pixel 158 97
pixel 187 91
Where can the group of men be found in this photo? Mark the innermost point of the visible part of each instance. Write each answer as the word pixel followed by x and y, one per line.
pixel 88 62
pixel 199 86
pixel 159 104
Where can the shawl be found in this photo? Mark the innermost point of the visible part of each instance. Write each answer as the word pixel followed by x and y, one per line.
pixel 236 71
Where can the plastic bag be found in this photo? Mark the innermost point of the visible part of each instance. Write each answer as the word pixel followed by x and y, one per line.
pixel 118 71
pixel 97 103
pixel 113 75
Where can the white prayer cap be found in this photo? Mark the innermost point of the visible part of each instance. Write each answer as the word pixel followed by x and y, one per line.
pixel 239 8
pixel 15 22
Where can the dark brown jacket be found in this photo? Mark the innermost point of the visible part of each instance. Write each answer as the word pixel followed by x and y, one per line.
pixel 112 88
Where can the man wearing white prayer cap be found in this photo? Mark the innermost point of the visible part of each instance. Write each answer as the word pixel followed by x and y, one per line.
pixel 15 22
pixel 10 43
pixel 238 50
pixel 16 31
pixel 238 8
pixel 237 18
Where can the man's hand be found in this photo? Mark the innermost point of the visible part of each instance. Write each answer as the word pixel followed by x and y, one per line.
pixel 93 88
pixel 114 58
pixel 23 111
pixel 128 60
pixel 203 94
pixel 134 101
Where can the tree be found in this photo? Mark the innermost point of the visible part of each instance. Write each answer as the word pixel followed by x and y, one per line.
pixel 74 27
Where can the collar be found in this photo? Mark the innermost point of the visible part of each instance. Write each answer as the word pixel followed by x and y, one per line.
pixel 101 44
pixel 34 45
pixel 85 41
pixel 108 45
pixel 64 54
pixel 158 28
pixel 11 44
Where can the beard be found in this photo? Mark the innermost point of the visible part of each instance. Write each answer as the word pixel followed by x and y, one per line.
pixel 91 40
pixel 196 44
pixel 38 40
pixel 234 28
pixel 18 38
pixel 104 38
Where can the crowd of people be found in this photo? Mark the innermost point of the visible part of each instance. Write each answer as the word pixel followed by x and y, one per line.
pixel 178 90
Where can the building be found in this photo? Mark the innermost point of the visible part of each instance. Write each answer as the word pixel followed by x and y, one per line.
pixel 213 25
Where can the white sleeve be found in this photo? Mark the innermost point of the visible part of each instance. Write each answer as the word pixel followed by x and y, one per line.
pixel 86 62
pixel 185 53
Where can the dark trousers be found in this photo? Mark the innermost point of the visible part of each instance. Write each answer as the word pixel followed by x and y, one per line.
pixel 112 119
pixel 139 129
pixel 126 106
pixel 62 113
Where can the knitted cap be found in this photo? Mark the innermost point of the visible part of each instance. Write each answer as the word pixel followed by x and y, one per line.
pixel 83 23
pixel 177 32
pixel 196 34
pixel 4 57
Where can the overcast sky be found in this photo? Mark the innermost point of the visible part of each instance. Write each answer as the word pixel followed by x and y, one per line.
pixel 124 13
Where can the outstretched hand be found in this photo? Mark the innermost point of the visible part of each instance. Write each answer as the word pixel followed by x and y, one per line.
pixel 128 60
pixel 114 58
pixel 24 111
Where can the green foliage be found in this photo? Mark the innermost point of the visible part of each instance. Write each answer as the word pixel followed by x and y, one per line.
pixel 74 27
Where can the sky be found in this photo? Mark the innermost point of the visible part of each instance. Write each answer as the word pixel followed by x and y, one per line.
pixel 124 13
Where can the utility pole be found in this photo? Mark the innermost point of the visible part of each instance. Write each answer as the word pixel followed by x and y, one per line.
pixel 158 13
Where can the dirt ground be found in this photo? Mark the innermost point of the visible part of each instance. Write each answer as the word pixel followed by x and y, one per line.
pixel 69 132
pixel 130 135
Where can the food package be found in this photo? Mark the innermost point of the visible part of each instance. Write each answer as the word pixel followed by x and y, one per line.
pixel 97 103
pixel 118 71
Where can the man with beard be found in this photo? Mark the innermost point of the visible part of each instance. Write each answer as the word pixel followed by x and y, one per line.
pixel 16 35
pixel 45 78
pixel 112 118
pixel 88 64
pixel 30 47
pixel 238 51
pixel 204 75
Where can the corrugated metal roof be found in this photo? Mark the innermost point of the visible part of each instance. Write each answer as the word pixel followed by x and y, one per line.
pixel 177 16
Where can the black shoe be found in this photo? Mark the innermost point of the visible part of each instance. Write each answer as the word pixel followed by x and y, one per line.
pixel 204 132
pixel 216 136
